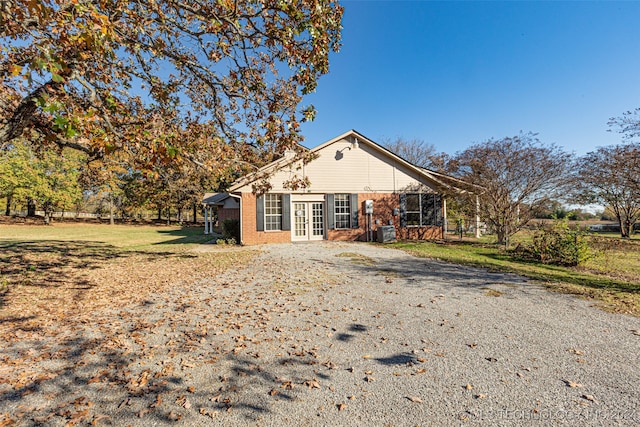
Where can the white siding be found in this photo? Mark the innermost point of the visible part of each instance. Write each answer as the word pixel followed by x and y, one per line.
pixel 340 168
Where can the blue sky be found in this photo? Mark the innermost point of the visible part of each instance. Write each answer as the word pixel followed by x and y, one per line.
pixel 457 73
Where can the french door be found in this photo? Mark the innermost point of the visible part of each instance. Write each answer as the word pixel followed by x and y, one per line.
pixel 308 222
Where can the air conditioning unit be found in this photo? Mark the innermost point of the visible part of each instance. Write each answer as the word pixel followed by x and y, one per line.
pixel 386 234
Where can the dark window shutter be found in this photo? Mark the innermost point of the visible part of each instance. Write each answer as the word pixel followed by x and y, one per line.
pixel 286 211
pixel 403 210
pixel 260 213
pixel 427 207
pixel 437 202
pixel 353 205
pixel 331 212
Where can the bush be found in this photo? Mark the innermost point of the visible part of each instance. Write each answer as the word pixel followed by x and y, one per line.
pixel 231 231
pixel 558 244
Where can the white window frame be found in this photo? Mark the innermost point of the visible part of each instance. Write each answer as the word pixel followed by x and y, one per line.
pixel 272 212
pixel 342 211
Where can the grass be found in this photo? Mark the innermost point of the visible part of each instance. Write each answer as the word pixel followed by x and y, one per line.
pixel 122 237
pixel 611 278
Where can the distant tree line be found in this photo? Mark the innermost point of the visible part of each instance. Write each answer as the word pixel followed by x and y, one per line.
pixel 66 180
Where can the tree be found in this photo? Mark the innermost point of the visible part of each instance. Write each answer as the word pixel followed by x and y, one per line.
pixel 46 178
pixel 14 171
pixel 628 124
pixel 517 174
pixel 415 151
pixel 57 187
pixel 100 75
pixel 610 176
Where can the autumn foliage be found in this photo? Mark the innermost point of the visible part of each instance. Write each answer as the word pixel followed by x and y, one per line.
pixel 163 80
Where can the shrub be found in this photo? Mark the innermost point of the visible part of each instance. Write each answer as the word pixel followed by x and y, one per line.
pixel 231 231
pixel 558 244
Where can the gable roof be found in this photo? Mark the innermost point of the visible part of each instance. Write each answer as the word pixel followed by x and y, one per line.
pixel 441 181
pixel 216 199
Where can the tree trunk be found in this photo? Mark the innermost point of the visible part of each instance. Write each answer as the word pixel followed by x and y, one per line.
pixel 31 208
pixel 7 211
pixel 111 221
pixel 195 213
pixel 159 213
pixel 627 228
pixel 47 217
pixel 168 215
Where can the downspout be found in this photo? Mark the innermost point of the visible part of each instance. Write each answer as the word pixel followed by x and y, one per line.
pixel 241 221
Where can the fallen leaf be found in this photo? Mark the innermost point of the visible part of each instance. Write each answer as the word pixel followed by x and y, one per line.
pixel 98 418
pixel 173 416
pixel 468 387
pixel 414 399
pixel 635 332
pixel 572 384
pixel 480 396
pixel 341 406
pixel 312 383
pixel 273 392
pixel 491 359
pixel 589 397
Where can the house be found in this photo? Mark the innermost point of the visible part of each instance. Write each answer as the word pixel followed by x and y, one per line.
pixel 355 187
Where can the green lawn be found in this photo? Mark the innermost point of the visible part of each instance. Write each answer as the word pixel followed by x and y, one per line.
pixel 122 237
pixel 612 277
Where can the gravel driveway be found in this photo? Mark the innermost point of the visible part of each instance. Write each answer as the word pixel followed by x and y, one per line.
pixel 338 334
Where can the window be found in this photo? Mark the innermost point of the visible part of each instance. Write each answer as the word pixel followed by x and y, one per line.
pixel 342 211
pixel 413 210
pixel 272 212
pixel 420 209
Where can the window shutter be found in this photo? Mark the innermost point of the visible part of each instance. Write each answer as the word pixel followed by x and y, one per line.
pixel 437 202
pixel 260 213
pixel 403 210
pixel 426 206
pixel 331 211
pixel 353 205
pixel 286 211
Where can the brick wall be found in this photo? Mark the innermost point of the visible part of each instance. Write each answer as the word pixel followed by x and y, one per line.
pixel 250 236
pixel 383 205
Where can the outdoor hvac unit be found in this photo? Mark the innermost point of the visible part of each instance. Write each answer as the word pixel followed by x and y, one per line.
pixel 386 233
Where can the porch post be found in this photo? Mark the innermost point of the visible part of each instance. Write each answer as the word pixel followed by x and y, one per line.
pixel 206 219
pixel 444 218
pixel 210 220
pixel 477 217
